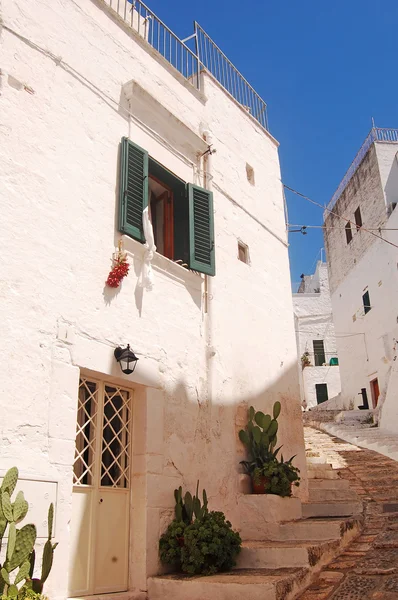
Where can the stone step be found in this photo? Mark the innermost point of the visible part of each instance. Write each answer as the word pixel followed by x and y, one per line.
pixel 321 472
pixel 318 460
pixel 329 484
pixel 331 509
pixel 253 584
pixel 332 495
pixel 289 554
pixel 310 529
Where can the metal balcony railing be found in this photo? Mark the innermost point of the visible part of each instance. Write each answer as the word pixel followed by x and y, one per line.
pixel 215 61
pixel 376 134
pixel 207 55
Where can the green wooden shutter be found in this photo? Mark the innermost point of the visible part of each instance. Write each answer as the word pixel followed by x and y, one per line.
pixel 201 230
pixel 133 191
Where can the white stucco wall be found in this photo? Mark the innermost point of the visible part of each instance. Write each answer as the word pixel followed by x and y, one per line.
pixel 197 371
pixel 313 321
pixel 366 343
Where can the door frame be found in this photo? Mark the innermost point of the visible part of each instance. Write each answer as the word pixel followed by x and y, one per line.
pixel 102 380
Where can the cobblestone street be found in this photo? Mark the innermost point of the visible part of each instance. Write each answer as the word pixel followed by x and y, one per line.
pixel 368 569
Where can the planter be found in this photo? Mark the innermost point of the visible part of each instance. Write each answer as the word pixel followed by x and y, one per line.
pixel 260 514
pixel 260 486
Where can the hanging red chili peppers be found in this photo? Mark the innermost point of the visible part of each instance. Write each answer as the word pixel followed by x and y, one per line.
pixel 120 267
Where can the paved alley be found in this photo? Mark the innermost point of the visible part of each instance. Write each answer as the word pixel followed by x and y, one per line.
pixel 368 569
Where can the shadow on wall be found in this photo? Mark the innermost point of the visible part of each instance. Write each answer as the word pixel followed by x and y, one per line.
pixel 201 435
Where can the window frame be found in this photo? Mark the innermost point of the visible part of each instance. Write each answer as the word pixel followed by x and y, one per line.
pixel 324 387
pixel 318 353
pixel 358 218
pixel 366 307
pixel 348 233
pixel 193 209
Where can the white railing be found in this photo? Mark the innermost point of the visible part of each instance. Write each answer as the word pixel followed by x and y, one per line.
pixel 207 55
pixel 214 60
pixel 376 134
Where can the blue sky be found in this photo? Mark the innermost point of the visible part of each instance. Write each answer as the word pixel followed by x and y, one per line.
pixel 324 68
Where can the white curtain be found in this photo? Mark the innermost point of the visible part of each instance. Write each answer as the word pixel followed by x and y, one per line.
pixel 146 277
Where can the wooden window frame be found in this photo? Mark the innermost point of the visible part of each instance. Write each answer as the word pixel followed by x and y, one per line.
pixel 168 217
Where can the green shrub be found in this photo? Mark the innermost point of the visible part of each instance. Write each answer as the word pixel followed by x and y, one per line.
pixel 204 545
pixel 210 545
pixel 171 542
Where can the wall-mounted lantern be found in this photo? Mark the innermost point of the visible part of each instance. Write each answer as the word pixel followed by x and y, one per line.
pixel 126 359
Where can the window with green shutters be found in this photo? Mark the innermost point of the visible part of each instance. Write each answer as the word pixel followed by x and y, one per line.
pixel 181 213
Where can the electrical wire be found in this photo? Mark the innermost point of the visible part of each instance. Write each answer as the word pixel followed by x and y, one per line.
pixel 337 215
pixel 342 228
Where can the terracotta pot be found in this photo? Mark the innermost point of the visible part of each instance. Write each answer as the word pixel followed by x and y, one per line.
pixel 260 486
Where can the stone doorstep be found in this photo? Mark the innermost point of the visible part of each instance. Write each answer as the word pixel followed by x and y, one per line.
pixel 288 554
pixel 331 509
pixel 253 584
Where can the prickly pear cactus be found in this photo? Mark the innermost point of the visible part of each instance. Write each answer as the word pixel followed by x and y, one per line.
pixel 260 435
pixel 20 553
pixel 189 506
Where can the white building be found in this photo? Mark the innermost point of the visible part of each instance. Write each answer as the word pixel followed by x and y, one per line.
pixel 101 114
pixel 363 275
pixel 316 343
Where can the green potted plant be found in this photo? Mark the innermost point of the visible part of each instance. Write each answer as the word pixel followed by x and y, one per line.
pixel 276 477
pixel 305 360
pixel 269 475
pixel 198 541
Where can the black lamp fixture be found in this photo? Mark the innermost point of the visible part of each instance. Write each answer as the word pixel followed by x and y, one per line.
pixel 126 359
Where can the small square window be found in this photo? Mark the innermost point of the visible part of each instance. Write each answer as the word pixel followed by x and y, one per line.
pixel 250 174
pixel 358 218
pixel 243 252
pixel 348 232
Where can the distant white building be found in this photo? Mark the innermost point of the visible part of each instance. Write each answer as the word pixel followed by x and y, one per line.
pixel 363 275
pixel 316 342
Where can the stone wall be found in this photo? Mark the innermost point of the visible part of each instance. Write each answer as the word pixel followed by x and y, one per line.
pixel 365 191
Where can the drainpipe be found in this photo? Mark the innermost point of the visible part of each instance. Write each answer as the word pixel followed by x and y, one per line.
pixel 208 283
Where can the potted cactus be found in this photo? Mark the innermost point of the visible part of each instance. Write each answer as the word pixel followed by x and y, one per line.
pixel 269 475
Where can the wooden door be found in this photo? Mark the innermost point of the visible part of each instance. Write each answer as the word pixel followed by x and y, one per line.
pixel 101 493
pixel 374 387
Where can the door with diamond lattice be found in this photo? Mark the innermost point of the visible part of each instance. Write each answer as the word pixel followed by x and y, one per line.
pixel 101 492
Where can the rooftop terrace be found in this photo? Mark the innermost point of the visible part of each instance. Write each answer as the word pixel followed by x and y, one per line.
pixel 376 134
pixel 206 55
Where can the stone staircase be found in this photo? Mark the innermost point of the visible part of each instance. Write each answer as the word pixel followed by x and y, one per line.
pixel 354 426
pixel 329 496
pixel 285 543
